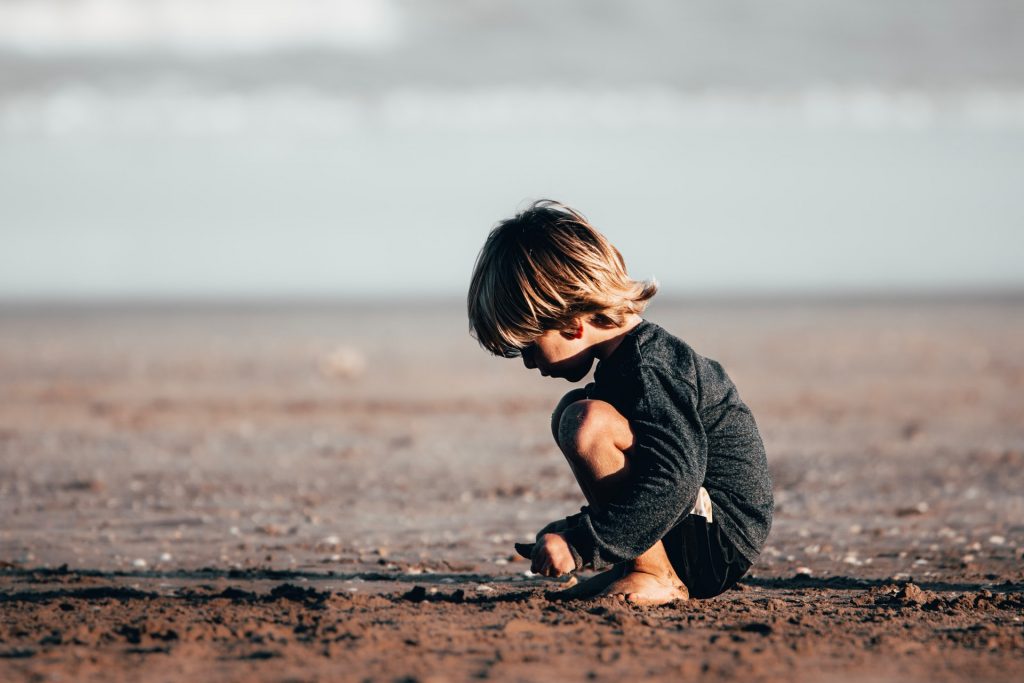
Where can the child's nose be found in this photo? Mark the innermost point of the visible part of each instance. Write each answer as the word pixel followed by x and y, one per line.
pixel 528 357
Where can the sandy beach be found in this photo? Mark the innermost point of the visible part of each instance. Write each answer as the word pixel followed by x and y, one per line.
pixel 332 492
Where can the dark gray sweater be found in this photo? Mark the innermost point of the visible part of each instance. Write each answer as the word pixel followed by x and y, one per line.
pixel 691 429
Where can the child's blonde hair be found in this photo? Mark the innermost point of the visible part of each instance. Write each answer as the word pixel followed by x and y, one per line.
pixel 541 269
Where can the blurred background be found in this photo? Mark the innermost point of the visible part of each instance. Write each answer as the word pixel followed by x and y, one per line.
pixel 229 149
pixel 829 193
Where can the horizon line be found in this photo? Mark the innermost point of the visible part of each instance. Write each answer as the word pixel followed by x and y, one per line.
pixel 851 296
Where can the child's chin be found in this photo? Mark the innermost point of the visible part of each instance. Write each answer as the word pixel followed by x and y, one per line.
pixel 569 374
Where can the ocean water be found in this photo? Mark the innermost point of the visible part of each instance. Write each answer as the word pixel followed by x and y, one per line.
pixel 174 148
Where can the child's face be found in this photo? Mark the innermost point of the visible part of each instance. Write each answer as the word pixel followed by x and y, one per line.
pixel 560 353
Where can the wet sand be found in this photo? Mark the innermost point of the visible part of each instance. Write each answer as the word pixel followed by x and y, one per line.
pixel 332 493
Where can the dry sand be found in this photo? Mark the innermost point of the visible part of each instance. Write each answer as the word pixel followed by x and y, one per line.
pixel 332 493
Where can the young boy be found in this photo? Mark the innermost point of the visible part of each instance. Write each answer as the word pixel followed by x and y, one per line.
pixel 667 455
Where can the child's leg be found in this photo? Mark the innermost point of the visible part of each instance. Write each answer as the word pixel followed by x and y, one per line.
pixel 597 440
pixel 574 396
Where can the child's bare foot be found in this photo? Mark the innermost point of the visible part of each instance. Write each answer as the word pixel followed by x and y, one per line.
pixel 642 588
pixel 592 586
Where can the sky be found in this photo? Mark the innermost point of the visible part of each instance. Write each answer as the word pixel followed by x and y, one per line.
pixel 187 149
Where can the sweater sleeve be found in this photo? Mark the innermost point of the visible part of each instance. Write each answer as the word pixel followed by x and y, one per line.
pixel 667 466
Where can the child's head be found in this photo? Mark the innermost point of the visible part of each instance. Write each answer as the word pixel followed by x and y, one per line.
pixel 545 269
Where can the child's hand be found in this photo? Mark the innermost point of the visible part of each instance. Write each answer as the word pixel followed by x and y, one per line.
pixel 552 557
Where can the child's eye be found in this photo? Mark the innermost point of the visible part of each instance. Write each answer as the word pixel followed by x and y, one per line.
pixel 519 351
pixel 511 352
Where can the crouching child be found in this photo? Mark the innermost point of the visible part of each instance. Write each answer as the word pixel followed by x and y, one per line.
pixel 667 455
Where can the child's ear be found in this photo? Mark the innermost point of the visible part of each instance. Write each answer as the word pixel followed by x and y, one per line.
pixel 574 332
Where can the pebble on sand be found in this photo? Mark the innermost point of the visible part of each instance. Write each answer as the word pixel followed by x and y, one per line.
pixel 343 363
pixel 918 509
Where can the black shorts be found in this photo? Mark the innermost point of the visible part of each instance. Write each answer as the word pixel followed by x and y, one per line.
pixel 703 557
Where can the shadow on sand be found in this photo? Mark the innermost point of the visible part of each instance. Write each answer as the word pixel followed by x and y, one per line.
pixel 204 591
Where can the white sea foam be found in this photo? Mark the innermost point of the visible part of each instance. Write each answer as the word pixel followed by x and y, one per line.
pixel 59 26
pixel 287 111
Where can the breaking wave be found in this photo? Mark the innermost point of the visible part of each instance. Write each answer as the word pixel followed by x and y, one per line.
pixel 56 26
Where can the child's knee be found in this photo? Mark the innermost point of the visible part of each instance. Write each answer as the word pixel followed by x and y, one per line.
pixel 556 417
pixel 588 424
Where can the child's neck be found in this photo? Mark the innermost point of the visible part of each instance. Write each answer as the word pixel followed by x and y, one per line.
pixel 607 340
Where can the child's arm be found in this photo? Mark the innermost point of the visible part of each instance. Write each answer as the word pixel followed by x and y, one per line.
pixel 667 466
pixel 560 525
